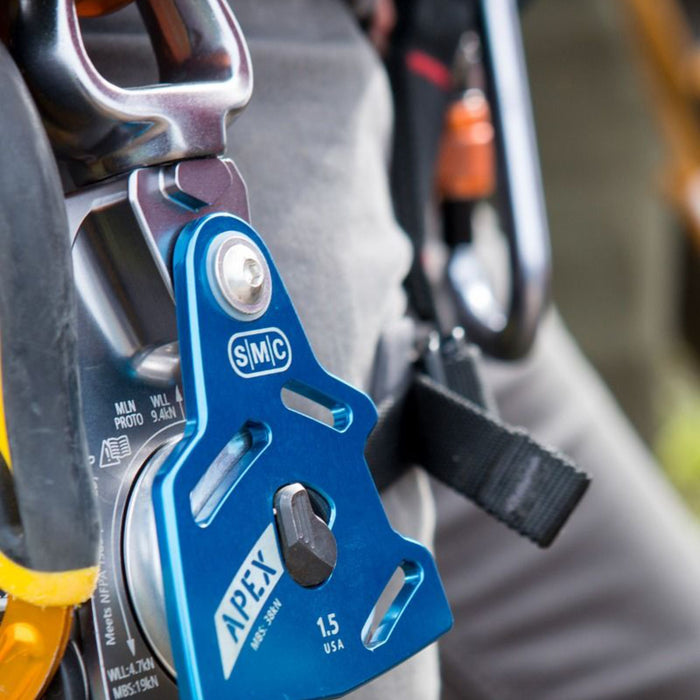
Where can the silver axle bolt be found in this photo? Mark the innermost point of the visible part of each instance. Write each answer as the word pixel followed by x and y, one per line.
pixel 239 276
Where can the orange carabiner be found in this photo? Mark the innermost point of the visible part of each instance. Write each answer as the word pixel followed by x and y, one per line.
pixel 32 643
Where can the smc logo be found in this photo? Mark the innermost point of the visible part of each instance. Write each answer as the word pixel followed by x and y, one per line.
pixel 256 353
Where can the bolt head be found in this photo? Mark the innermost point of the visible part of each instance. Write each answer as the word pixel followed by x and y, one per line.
pixel 241 280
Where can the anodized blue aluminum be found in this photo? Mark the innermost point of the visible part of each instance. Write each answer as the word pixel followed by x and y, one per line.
pixel 240 626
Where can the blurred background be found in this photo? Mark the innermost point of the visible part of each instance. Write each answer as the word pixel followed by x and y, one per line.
pixel 616 93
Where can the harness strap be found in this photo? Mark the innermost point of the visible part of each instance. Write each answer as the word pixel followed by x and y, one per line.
pixel 501 469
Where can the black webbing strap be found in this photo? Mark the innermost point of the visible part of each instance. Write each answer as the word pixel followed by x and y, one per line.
pixel 526 486
pixel 501 469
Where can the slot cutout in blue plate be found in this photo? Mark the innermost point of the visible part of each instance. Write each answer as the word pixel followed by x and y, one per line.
pixel 392 601
pixel 228 467
pixel 314 404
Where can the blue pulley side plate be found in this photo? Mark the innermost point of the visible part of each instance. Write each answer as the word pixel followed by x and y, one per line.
pixel 240 625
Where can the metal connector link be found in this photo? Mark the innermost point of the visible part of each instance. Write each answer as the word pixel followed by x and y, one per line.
pixel 101 129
